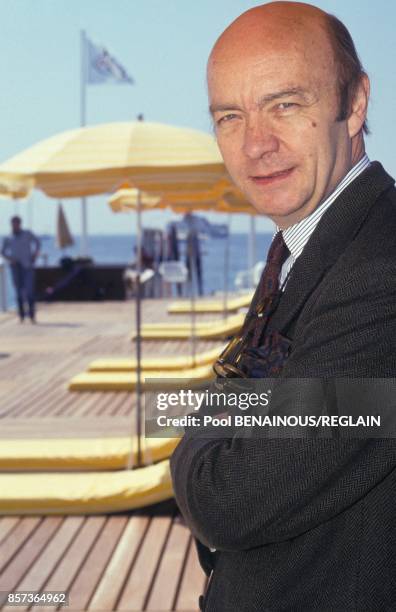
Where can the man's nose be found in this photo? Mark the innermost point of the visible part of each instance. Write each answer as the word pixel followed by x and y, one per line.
pixel 259 139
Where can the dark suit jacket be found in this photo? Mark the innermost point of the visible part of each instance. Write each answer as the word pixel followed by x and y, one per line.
pixel 311 524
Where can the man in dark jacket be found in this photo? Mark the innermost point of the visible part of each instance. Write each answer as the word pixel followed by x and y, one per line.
pixel 303 524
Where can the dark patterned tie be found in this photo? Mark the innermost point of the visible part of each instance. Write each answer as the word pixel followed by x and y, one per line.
pixel 268 287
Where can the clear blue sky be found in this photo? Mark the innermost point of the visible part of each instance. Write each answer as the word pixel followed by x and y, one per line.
pixel 164 45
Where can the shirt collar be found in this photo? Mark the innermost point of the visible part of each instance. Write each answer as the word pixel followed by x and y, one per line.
pixel 296 236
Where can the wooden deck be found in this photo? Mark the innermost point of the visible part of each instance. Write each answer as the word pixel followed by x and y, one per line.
pixel 141 560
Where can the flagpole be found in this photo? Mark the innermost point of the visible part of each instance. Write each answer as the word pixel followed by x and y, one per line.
pixel 83 79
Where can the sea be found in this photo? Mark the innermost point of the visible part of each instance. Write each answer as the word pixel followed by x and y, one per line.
pixel 119 249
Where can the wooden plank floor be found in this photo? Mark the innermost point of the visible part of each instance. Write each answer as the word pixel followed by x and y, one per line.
pixel 138 561
pixel 141 560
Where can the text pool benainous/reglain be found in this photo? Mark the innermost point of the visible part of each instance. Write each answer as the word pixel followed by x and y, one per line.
pixel 246 420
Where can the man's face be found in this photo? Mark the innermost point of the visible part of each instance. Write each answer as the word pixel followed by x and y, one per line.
pixel 16 226
pixel 274 106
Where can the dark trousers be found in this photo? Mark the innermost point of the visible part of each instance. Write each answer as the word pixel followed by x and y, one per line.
pixel 23 279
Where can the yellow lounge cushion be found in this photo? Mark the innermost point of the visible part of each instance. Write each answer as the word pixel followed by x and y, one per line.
pixel 206 331
pixel 168 362
pixel 126 381
pixel 186 325
pixel 85 492
pixel 207 306
pixel 81 453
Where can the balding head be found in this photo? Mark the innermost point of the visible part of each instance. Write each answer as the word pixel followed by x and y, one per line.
pixel 276 22
pixel 279 61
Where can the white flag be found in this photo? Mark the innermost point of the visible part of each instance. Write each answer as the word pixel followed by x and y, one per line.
pixel 102 67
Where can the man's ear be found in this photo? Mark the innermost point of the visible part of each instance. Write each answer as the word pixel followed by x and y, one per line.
pixel 358 113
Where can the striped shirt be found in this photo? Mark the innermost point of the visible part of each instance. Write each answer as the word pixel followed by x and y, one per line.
pixel 296 236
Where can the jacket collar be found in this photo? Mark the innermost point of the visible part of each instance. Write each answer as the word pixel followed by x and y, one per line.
pixel 338 226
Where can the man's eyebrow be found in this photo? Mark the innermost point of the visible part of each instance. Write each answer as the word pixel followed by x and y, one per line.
pixel 294 91
pixel 213 108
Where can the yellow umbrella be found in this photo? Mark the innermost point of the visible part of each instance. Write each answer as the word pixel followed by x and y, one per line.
pixel 92 160
pixel 231 202
pixel 127 198
pixel 14 189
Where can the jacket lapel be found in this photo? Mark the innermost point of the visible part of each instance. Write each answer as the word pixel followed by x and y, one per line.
pixel 336 229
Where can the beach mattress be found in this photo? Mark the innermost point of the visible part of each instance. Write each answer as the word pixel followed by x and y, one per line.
pixel 85 492
pixel 205 331
pixel 81 453
pixel 166 362
pixel 207 306
pixel 126 381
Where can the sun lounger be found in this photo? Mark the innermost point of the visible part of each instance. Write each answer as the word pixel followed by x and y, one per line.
pixel 81 453
pixel 126 381
pixel 212 330
pixel 168 362
pixel 84 492
pixel 207 306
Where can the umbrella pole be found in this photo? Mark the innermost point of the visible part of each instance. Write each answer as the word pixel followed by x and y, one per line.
pixel 226 268
pixel 193 280
pixel 30 212
pixel 138 336
pixel 193 316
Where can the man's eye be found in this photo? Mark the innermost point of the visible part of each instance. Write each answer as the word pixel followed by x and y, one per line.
pixel 225 118
pixel 285 105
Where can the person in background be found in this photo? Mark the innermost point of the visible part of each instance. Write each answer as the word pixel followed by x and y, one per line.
pixel 193 253
pixel 173 251
pixel 21 250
